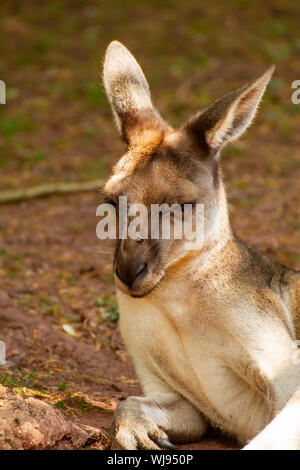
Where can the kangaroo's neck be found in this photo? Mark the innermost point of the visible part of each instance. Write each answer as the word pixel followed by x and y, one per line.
pixel 218 237
pixel 217 229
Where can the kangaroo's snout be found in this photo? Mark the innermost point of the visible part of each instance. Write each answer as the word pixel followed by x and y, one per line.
pixel 136 267
pixel 131 265
pixel 130 270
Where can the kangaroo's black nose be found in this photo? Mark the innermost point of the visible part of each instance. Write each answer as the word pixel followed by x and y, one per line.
pixel 131 270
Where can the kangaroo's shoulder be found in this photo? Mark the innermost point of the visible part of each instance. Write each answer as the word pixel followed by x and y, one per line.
pixel 259 268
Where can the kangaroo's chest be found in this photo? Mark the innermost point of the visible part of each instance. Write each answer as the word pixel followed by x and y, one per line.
pixel 200 346
pixel 183 344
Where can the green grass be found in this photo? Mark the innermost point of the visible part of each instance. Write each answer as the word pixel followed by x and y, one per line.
pixel 12 125
pixel 94 169
pixel 109 308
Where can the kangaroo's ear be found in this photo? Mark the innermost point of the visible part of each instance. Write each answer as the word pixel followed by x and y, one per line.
pixel 228 117
pixel 128 91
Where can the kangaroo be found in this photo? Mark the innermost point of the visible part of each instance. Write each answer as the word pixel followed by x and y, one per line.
pixel 211 331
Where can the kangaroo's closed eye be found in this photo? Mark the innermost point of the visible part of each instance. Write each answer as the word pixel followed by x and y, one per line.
pixel 191 203
pixel 110 201
pixel 187 203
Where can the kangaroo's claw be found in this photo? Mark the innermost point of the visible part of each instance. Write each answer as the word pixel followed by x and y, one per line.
pixel 166 443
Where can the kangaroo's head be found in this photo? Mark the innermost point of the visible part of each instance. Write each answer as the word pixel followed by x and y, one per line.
pixel 166 165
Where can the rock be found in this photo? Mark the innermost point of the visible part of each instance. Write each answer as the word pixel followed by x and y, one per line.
pixel 29 423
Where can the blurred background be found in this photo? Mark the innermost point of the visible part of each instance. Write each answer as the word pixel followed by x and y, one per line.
pixel 57 127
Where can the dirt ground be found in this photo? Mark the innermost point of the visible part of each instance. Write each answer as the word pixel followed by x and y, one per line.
pixel 67 368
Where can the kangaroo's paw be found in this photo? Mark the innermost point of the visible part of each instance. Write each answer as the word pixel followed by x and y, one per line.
pixel 132 429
